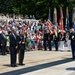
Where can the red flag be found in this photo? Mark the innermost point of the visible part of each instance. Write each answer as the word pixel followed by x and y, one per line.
pixel 61 21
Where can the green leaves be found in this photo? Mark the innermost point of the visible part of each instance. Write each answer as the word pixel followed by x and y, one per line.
pixel 39 8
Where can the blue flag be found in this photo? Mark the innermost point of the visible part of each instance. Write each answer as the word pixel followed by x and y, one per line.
pixel 67 19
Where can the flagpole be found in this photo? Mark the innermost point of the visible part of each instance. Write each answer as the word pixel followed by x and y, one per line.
pixel 49 17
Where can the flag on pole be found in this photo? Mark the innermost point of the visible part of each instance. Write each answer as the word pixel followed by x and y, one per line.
pixel 67 19
pixel 49 17
pixel 73 15
pixel 61 21
pixel 50 25
pixel 55 17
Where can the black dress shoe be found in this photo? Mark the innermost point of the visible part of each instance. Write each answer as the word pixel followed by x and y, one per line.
pixel 50 49
pixel 3 54
pixel 21 64
pixel 15 66
pixel 12 65
pixel 73 58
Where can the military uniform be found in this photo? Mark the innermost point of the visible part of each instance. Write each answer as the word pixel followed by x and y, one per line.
pixel 56 39
pixel 68 41
pixel 47 39
pixel 61 39
pixel 72 38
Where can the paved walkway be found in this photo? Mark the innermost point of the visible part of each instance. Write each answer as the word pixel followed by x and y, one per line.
pixel 40 63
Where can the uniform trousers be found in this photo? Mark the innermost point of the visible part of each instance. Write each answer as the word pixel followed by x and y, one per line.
pixel 73 50
pixel 56 44
pixel 62 45
pixel 49 44
pixel 69 44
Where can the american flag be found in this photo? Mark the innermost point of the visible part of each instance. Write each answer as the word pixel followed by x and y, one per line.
pixel 49 24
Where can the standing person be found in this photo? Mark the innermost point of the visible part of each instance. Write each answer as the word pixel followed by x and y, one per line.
pixel 0 38
pixel 13 48
pixel 55 38
pixel 68 41
pixel 61 39
pixel 47 39
pixel 33 39
pixel 3 43
pixel 39 42
pixel 72 38
pixel 21 46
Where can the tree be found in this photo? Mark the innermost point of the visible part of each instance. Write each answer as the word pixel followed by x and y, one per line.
pixel 39 8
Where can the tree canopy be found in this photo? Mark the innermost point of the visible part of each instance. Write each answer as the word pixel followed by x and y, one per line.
pixel 39 8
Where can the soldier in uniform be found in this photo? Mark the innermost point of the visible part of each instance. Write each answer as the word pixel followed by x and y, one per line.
pixel 21 46
pixel 55 38
pixel 72 38
pixel 61 39
pixel 47 38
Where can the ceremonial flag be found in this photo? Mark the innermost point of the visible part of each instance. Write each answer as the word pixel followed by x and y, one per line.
pixel 49 24
pixel 67 19
pixel 49 17
pixel 55 17
pixel 73 18
pixel 61 21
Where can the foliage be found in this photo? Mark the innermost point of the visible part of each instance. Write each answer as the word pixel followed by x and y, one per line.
pixel 39 8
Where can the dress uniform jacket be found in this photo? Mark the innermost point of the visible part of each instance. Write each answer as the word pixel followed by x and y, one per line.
pixel 61 37
pixel 47 39
pixel 72 38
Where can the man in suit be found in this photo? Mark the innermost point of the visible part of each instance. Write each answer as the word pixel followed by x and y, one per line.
pixel 21 45
pixel 3 42
pixel 72 38
pixel 13 48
